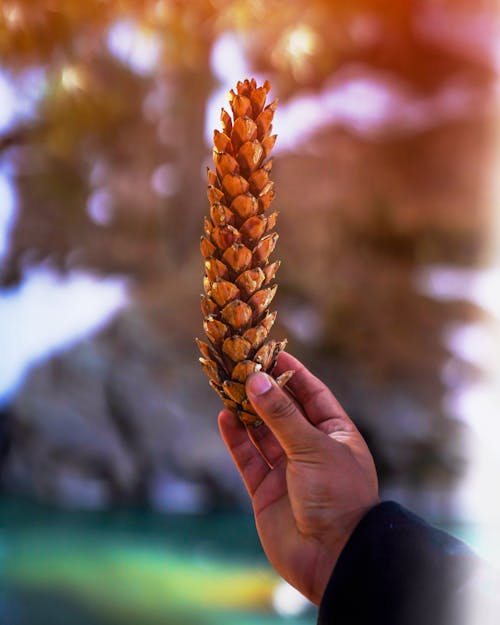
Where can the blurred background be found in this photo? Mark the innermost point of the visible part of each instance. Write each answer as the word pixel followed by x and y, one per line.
pixel 118 502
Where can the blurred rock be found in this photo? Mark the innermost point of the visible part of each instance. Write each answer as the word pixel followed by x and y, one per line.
pixel 115 420
pixel 170 494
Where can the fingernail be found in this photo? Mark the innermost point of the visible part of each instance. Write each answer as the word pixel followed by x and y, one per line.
pixel 259 383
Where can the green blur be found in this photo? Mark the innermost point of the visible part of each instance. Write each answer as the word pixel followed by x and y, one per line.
pixel 128 566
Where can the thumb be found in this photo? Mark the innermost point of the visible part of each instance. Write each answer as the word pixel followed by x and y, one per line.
pixel 280 413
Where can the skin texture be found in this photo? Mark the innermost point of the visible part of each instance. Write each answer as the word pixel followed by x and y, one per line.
pixel 308 471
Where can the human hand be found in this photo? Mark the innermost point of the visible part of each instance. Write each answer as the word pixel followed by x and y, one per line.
pixel 319 479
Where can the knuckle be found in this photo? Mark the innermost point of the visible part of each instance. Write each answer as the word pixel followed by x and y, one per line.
pixel 280 407
pixel 315 395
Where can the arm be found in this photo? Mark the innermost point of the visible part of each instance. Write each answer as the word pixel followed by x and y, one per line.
pixel 398 570
pixel 314 491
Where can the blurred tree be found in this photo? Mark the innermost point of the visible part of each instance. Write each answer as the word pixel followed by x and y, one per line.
pixel 84 122
pixel 108 171
pixel 83 117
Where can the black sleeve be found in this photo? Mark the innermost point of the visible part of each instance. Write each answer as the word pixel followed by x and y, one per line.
pixel 397 570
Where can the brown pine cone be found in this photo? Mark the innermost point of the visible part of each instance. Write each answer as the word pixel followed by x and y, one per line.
pixel 239 239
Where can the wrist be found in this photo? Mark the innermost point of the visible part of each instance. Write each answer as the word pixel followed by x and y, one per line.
pixel 332 547
pixel 326 562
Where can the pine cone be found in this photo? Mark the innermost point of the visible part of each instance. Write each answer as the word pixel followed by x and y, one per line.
pixel 239 238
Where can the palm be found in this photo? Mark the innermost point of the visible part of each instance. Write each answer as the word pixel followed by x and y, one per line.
pixel 292 553
pixel 302 485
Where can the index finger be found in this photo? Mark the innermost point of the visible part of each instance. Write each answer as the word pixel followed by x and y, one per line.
pixel 249 462
pixel 317 400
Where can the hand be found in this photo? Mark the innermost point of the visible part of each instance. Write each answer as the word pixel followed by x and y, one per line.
pixel 308 471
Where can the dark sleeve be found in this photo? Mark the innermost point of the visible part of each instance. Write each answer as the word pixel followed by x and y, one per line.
pixel 397 570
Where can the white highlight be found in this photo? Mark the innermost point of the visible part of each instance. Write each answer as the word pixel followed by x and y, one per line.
pixel 165 180
pixel 135 47
pixel 448 283
pixel 7 102
pixel 229 65
pixel 475 403
pixel 304 322
pixel 18 98
pixel 71 78
pixel 300 41
pixel 8 210
pixel 367 102
pixel 289 602
pixel 100 207
pixel 360 104
pixel 370 103
pixel 48 313
pixel 13 15
pixel 228 61
pixel 472 342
